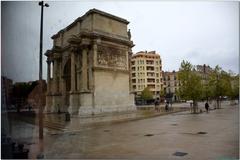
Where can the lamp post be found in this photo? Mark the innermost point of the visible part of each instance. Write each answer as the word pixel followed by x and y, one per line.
pixel 40 112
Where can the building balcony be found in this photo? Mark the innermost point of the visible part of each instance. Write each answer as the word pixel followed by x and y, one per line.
pixel 151 68
pixel 151 86
pixel 151 80
pixel 151 75
pixel 150 64
pixel 150 71
pixel 151 83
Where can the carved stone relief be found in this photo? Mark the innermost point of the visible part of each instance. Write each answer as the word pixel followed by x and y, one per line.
pixel 109 56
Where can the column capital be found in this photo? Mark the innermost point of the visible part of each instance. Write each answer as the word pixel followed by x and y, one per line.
pixel 97 41
pixel 74 48
pixel 85 43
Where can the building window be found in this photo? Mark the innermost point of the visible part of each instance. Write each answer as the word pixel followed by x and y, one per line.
pixel 157 75
pixel 139 87
pixel 134 86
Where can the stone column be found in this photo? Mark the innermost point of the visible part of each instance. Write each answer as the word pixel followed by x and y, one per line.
pixel 84 69
pixel 79 65
pixel 85 94
pixel 55 76
pixel 74 95
pixel 48 76
pixel 55 99
pixel 95 54
pixel 73 72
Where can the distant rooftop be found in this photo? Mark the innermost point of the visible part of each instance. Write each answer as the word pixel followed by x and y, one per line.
pixel 146 54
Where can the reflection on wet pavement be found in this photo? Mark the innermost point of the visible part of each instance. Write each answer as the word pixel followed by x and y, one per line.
pixel 209 135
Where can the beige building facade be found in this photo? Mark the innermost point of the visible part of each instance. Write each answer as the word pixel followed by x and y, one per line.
pixel 146 71
pixel 171 85
pixel 88 66
pixel 204 71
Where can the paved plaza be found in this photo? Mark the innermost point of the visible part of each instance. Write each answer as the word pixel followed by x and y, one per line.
pixel 179 135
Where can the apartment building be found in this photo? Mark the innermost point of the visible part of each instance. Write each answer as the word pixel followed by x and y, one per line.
pixel 146 71
pixel 171 85
pixel 204 71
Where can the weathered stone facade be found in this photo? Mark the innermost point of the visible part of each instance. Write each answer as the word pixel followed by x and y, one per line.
pixel 88 69
pixel 171 85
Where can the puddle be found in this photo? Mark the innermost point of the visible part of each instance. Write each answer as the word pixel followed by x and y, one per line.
pixel 195 133
pixel 30 143
pixel 72 134
pixel 54 134
pixel 180 154
pixel 149 135
pixel 174 124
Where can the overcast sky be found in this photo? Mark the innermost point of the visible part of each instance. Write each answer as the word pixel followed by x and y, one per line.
pixel 200 32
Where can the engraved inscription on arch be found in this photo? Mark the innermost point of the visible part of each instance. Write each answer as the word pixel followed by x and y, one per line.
pixel 109 56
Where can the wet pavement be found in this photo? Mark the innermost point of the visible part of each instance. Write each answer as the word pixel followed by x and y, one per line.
pixel 179 135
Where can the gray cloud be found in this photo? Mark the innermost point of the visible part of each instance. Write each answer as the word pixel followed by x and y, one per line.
pixel 201 32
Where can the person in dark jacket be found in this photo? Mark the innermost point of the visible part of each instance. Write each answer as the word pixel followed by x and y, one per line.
pixel 156 103
pixel 206 106
pixel 166 106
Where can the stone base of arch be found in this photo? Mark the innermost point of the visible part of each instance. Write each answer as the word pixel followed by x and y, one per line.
pixel 74 103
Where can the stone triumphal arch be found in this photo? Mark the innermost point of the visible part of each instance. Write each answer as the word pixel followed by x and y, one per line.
pixel 88 69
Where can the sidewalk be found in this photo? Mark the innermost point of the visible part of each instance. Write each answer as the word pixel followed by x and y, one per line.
pixel 56 130
pixel 56 123
pixel 153 138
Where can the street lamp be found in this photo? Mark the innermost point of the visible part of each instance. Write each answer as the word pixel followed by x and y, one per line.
pixel 40 112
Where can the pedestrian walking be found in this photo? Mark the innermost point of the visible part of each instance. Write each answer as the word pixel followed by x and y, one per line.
pixel 166 107
pixel 156 103
pixel 206 106
pixel 191 107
